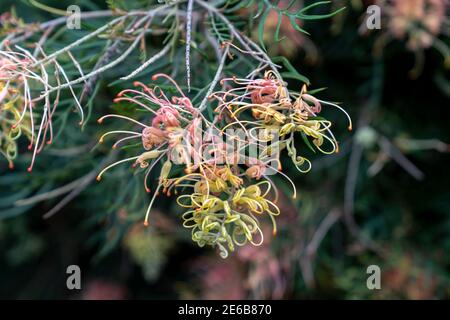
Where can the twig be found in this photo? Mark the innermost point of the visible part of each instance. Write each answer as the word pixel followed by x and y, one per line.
pixel 188 42
pixel 103 68
pixel 398 157
pixel 80 41
pixel 322 230
pixel 156 57
pixel 216 78
pixel 103 28
pixel 83 184
pixel 240 37
pixel 51 24
pixel 106 58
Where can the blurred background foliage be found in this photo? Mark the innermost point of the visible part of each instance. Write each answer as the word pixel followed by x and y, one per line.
pixel 384 199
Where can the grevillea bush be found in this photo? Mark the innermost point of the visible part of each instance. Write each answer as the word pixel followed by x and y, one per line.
pixel 220 177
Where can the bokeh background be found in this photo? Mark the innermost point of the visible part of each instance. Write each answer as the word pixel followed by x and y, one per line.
pixel 383 200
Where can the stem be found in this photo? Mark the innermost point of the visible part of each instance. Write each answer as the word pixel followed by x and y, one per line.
pixel 156 57
pixel 188 42
pixel 80 41
pixel 216 78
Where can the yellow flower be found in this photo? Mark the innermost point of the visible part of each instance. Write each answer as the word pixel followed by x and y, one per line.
pixel 227 222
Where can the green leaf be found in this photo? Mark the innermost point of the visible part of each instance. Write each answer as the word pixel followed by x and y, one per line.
pixel 315 4
pixel 296 26
pixel 305 139
pixel 277 30
pixel 236 5
pixel 260 9
pixel 292 72
pixel 317 118
pixel 314 91
pixel 319 16
pixel 261 28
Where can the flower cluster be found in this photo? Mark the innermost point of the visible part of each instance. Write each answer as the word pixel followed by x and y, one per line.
pixel 224 188
pixel 27 99
pixel 15 121
pixel 164 138
pixel 267 107
pixel 417 21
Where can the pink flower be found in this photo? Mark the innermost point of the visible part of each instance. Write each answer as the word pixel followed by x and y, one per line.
pixel 152 136
pixel 165 117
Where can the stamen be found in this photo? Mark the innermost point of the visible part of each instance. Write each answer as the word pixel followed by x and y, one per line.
pixel 100 120
pixel 350 126
pixel 99 176
pixel 151 204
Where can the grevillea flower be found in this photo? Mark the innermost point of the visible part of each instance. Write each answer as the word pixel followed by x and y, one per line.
pixel 21 75
pixel 224 189
pixel 266 106
pixel 231 221
pixel 173 122
pixel 223 202
pixel 417 21
pixel 15 121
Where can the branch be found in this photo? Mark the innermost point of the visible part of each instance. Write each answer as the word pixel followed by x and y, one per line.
pixel 156 57
pixel 80 41
pixel 322 231
pixel 188 42
pixel 398 156
pixel 51 24
pixel 240 38
pixel 216 78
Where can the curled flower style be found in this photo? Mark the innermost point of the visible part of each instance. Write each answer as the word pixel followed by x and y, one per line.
pixel 229 219
pixel 14 122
